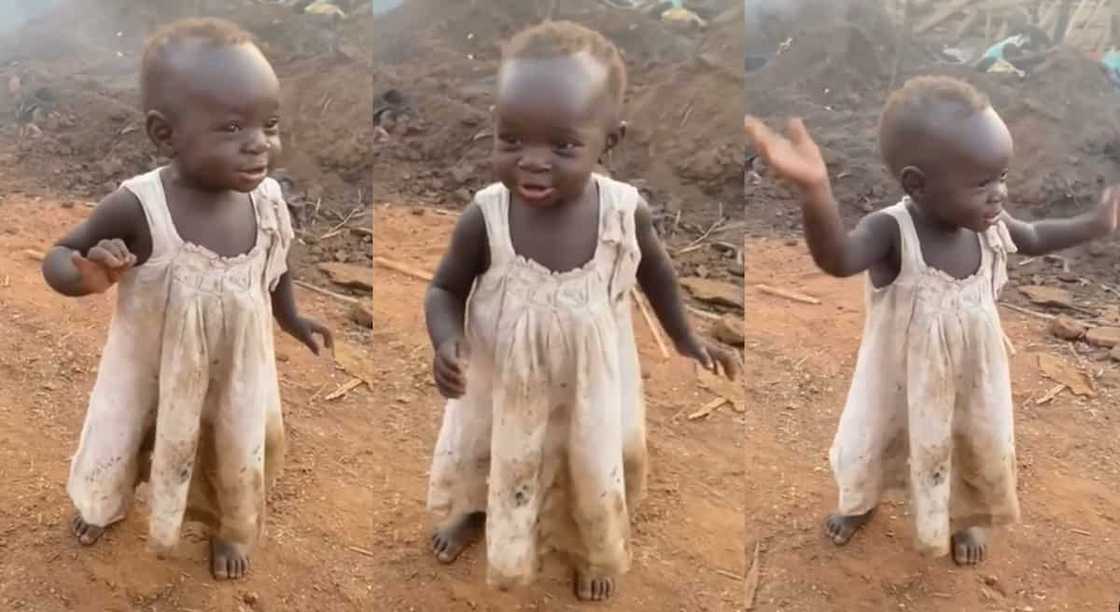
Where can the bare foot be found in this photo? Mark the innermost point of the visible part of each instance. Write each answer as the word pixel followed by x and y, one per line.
pixel 841 528
pixel 450 541
pixel 228 561
pixel 87 534
pixel 970 546
pixel 593 588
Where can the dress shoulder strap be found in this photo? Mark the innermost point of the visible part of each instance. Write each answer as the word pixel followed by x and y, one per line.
pixel 493 201
pixel 618 235
pixel 911 256
pixel 148 188
pixel 274 228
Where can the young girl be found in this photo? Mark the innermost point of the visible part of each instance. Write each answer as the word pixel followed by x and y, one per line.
pixel 199 246
pixel 930 401
pixel 543 438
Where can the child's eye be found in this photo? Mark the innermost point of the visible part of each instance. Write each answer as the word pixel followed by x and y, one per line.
pixel 231 127
pixel 272 124
pixel 566 147
pixel 508 140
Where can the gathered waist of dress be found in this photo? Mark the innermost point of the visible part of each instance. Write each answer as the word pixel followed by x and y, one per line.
pixel 235 278
pixel 581 291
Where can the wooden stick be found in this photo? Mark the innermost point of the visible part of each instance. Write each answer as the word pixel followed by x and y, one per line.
pixel 789 295
pixel 321 291
pixel 751 583
pixel 1027 311
pixel 402 268
pixel 711 316
pixel 350 385
pixel 651 323
pixel 942 15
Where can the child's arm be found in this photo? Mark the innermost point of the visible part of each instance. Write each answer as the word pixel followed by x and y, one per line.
pixel 287 317
pixel 658 280
pixel 445 304
pixel 93 256
pixel 1049 235
pixel 798 160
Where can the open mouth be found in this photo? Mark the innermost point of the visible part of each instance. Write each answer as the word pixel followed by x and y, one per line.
pixel 535 193
pixel 254 173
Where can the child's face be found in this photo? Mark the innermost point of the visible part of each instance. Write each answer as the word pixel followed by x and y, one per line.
pixel 968 187
pixel 226 132
pixel 553 120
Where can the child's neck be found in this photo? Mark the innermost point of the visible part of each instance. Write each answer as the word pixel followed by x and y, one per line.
pixel 931 223
pixel 199 193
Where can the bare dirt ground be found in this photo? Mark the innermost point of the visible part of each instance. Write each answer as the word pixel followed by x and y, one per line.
pixel 687 538
pixel 69 133
pixel 318 524
pixel 1063 556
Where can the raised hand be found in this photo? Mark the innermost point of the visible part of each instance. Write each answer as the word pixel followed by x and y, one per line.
pixel 103 265
pixel 1108 210
pixel 450 368
pixel 795 157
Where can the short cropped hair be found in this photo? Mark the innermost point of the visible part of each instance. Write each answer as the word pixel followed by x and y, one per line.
pixel 904 118
pixel 553 39
pixel 210 31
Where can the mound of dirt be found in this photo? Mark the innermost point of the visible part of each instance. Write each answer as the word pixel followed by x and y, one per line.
pixel 440 61
pixel 70 123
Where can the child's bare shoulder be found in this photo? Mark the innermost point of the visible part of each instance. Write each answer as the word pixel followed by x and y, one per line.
pixel 879 225
pixel 118 215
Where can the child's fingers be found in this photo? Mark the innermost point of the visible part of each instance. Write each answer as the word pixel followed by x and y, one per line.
pixel 758 132
pixel 449 385
pixel 731 366
pixel 450 373
pixel 796 130
pixel 328 337
pixel 103 256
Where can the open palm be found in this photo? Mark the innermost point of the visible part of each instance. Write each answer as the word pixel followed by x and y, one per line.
pixel 794 157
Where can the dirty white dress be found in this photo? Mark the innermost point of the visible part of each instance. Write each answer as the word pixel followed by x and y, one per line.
pixel 930 402
pixel 549 439
pixel 189 374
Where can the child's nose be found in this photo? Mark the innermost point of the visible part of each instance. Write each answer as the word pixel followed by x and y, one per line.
pixel 535 159
pixel 257 142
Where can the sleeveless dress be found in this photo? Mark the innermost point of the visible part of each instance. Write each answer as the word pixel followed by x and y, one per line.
pixel 549 439
pixel 186 393
pixel 930 403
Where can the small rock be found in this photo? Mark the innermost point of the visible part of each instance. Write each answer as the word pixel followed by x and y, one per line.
pixel 349 275
pixel 1067 329
pixel 1107 337
pixel 250 598
pixel 714 292
pixel 362 314
pixel 1047 296
pixel 1068 277
pixel 729 330
pixel 1115 353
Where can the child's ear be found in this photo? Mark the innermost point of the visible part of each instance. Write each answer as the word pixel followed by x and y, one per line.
pixel 913 182
pixel 159 132
pixel 615 136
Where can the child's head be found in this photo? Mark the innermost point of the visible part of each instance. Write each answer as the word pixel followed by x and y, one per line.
pixel 949 149
pixel 559 108
pixel 212 103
